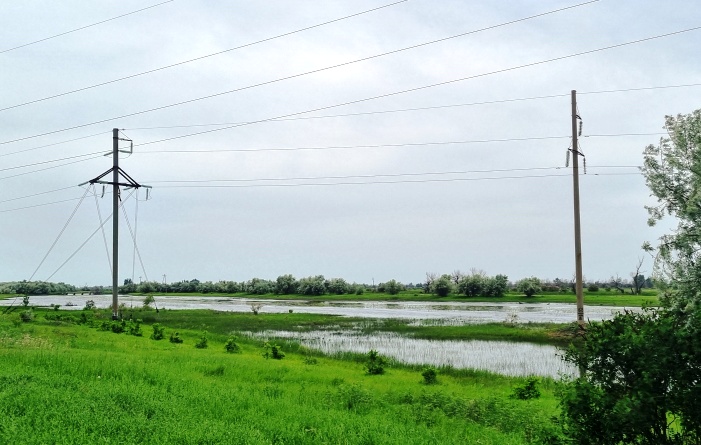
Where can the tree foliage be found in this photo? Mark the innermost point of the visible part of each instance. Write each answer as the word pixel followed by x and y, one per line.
pixel 641 381
pixel 529 286
pixel 672 171
pixel 641 373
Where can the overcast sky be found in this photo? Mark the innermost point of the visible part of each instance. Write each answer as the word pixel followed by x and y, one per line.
pixel 353 191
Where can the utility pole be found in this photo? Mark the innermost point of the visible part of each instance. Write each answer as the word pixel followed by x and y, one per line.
pixel 579 286
pixel 128 182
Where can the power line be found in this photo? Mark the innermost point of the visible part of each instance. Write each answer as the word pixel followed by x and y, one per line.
pixel 36 194
pixel 381 96
pixel 55 143
pixel 199 58
pixel 49 168
pixel 48 162
pixel 85 27
pixel 407 144
pixel 332 67
pixel 413 181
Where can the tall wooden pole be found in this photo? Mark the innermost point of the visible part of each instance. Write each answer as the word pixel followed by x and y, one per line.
pixel 579 286
pixel 115 223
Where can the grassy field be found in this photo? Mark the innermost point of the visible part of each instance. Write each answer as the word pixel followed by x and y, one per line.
pixel 65 383
pixel 600 298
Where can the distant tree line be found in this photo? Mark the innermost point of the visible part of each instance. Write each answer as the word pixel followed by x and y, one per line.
pixel 47 288
pixel 475 284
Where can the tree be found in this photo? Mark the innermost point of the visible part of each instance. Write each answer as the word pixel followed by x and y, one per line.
pixel 641 373
pixel 312 286
pixel 638 278
pixel 393 287
pixel 640 383
pixel 285 285
pixel 442 286
pixel 529 286
pixel 472 285
pixel 672 171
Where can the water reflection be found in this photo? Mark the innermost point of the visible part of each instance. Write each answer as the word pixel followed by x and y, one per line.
pixel 513 359
pixel 447 313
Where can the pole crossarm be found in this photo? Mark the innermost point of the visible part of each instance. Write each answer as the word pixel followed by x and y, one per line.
pixel 129 181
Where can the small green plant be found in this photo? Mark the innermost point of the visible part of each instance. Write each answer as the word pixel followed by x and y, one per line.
pixel 430 376
pixel 376 363
pixel 231 346
pixel 26 316
pixel 255 308
pixel 202 342
pixel 134 328
pixel 25 301
pixel 175 338
pixel 55 306
pixel 118 326
pixel 218 371
pixel 158 332
pixel 89 305
pixel 148 301
pixel 273 351
pixel 528 391
pixel 309 360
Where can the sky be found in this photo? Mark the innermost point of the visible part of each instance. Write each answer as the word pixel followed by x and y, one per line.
pixel 333 138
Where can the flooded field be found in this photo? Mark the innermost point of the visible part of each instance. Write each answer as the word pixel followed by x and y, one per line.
pixel 513 359
pixel 433 313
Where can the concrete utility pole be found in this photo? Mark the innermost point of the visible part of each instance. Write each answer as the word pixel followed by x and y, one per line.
pixel 579 286
pixel 128 182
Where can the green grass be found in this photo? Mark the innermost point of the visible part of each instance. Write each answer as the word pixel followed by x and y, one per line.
pixel 600 298
pixel 72 384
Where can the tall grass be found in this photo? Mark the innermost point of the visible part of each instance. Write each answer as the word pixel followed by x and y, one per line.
pixel 72 384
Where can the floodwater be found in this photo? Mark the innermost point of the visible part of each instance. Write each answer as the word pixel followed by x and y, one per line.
pixel 515 359
pixel 507 358
pixel 433 313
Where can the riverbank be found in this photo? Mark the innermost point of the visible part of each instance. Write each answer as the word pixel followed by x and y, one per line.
pixel 601 298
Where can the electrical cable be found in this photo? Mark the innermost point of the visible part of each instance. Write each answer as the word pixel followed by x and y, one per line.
pixel 381 96
pixel 198 58
pixel 102 226
pixel 85 242
pixel 59 234
pixel 349 63
pixel 85 27
pixel 55 143
pixel 49 168
pixel 48 162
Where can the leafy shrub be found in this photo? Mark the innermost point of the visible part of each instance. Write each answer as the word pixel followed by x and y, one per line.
pixel 528 391
pixel 175 338
pixel 255 307
pixel 148 301
pixel 25 301
pixel 376 363
pixel 430 376
pixel 118 326
pixel 309 360
pixel 26 316
pixel 359 290
pixel 593 288
pixel 89 305
pixel 273 351
pixel 231 347
pixel 355 398
pixel 158 332
pixel 202 342
pixel 134 328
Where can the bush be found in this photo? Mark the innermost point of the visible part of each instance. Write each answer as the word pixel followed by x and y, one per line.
pixel 528 391
pixel 134 328
pixel 593 288
pixel 202 342
pixel 273 351
pixel 25 301
pixel 376 363
pixel 393 287
pixel 231 347
pixel 442 286
pixel 89 305
pixel 175 338
pixel 430 376
pixel 158 332
pixel 148 301
pixel 529 286
pixel 26 316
